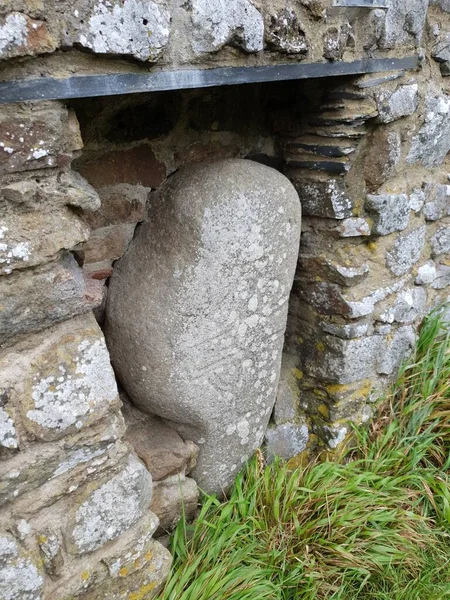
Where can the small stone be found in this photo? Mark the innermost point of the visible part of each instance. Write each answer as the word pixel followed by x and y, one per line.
pixel 426 274
pixel 396 350
pixel 322 198
pixel 441 51
pixel 218 23
pixel 288 392
pixel 391 210
pixel 432 143
pixel 442 279
pixel 440 242
pixel 8 433
pixel 50 546
pixel 354 227
pixel 35 299
pixel 381 158
pixel 173 498
pixel 106 244
pixel 112 508
pixel 404 23
pixel 346 332
pixel 20 577
pixel 22 36
pixel 400 103
pixel 286 440
pixel 335 435
pixel 122 203
pixel 335 41
pixel 417 200
pixel 409 305
pixel 284 32
pixel 137 28
pixel 406 251
pixel 443 4
pixel 437 204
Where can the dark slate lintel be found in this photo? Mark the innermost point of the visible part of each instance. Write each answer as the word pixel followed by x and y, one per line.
pixel 361 3
pixel 86 86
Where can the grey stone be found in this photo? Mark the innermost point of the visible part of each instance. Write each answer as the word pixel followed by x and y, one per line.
pixel 174 497
pixel 322 198
pixel 406 251
pixel 286 440
pixel 426 274
pixel 354 227
pixel 206 315
pixel 437 203
pixel 20 577
pixel 20 36
pixel 365 306
pixel 441 51
pixel 218 23
pixel 335 435
pixel 432 143
pixel 8 433
pixel 284 32
pixel 288 392
pixel 111 509
pixel 443 4
pixel 391 210
pixel 404 23
pixel 442 279
pixel 417 200
pixel 50 545
pixel 409 305
pixel 440 242
pixel 38 298
pixel 138 28
pixel 346 332
pixel 396 350
pixel 400 103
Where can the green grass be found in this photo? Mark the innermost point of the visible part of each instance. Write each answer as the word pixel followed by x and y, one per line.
pixel 372 525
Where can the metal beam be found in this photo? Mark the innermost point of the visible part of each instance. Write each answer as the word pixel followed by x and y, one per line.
pixel 85 86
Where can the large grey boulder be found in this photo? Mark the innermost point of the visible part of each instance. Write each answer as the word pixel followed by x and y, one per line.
pixel 197 308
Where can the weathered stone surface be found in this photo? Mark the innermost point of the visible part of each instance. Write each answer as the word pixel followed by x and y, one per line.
pixel 396 350
pixel 417 200
pixel 400 103
pixel 62 381
pixel 50 545
pixel 112 508
pixel 134 166
pixel 442 279
pixel 122 203
pixel 288 392
pixel 409 305
pixel 354 227
pixel 441 51
pixel 347 331
pixel 314 267
pixel 322 198
pixel 173 497
pixel 33 300
pixel 8 433
pixel 391 212
pixel 21 36
pixel 106 243
pixel 159 446
pixel 284 32
pixel 20 576
pixel 335 40
pixel 218 23
pixel 404 23
pixel 426 274
pixel 137 28
pixel 440 242
pixel 382 157
pixel 437 201
pixel 432 143
pixel 36 137
pixel 210 357
pixel 286 440
pixel 406 251
pixel 33 238
pixel 443 4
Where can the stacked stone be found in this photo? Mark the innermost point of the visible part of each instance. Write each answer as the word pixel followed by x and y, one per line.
pixel 374 256
pixel 74 501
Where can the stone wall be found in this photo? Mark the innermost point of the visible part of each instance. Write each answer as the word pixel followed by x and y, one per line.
pixel 368 157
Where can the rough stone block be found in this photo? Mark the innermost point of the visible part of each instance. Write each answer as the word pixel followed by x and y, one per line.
pixel 437 201
pixel 354 227
pixel 284 32
pixel 122 203
pixel 382 157
pixel 322 198
pixel 409 306
pixel 159 446
pixel 134 166
pixel 209 358
pixel 36 136
pixel 288 392
pixel 396 350
pixel 21 36
pixel 217 23
pixel 441 50
pixel 440 242
pixel 173 497
pixel 28 239
pixel 109 510
pixel 50 545
pixel 346 332
pixel 404 23
pixel 391 212
pixel 8 433
pixel 38 298
pixel 417 200
pixel 406 251
pixel 62 380
pixel 442 279
pixel 400 103
pixel 107 243
pixel 432 143
pixel 286 440
pixel 20 576
pixel 137 28
pixel 426 274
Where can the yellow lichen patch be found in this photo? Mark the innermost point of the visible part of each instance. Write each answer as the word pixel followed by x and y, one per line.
pixel 319 393
pixel 42 539
pixel 372 247
pixel 85 575
pixel 300 340
pixel 297 373
pixel 320 347
pixel 148 555
pixel 123 572
pixel 142 592
pixel 324 410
